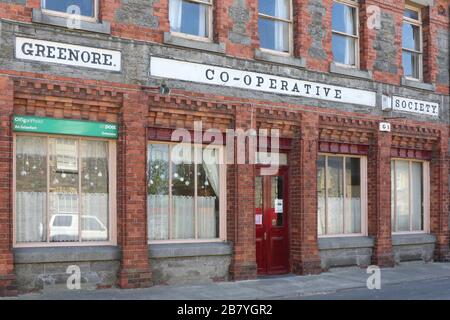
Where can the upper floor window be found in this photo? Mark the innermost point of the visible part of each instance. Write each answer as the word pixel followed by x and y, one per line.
pixel 345 41
pixel 191 17
pixel 409 195
pixel 341 195
pixel 275 25
pixel 412 43
pixel 85 8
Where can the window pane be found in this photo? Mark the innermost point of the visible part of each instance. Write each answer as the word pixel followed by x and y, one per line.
pixel 158 191
pixel 411 37
pixel 274 35
pixel 344 18
pixel 353 195
pixel 402 195
pixel 95 190
pixel 64 188
pixel 189 17
pixel 208 195
pixel 277 193
pixel 335 199
pixel 183 191
pixel 393 220
pixel 417 196
pixel 86 6
pixel 411 64
pixel 321 194
pixel 412 14
pixel 275 8
pixel 31 189
pixel 344 49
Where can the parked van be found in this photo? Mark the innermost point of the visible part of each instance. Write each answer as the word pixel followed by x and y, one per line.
pixel 65 227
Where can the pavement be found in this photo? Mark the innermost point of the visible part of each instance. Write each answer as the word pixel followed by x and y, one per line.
pixel 412 280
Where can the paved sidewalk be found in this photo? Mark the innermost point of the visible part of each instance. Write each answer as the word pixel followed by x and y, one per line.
pixel 286 287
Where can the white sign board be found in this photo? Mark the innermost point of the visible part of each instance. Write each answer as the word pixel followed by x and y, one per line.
pixel 68 54
pixel 258 219
pixel 415 106
pixel 385 127
pixel 278 205
pixel 201 73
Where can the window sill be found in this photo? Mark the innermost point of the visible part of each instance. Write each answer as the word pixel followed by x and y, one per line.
pixel 279 58
pixel 413 239
pixel 351 72
pixel 418 85
pixel 180 41
pixel 45 18
pixel 174 250
pixel 65 254
pixel 337 243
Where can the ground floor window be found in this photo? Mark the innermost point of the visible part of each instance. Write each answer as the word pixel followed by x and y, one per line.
pixel 62 190
pixel 409 195
pixel 185 192
pixel 341 195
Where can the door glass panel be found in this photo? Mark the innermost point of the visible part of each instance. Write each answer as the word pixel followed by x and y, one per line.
pixel 277 198
pixel 335 195
pixel 353 195
pixel 259 200
pixel 63 190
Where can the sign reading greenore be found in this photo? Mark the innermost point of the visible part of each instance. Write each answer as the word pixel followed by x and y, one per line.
pixel 65 127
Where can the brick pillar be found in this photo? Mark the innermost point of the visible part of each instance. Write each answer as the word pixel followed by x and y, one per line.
pixel 379 199
pixel 7 276
pixel 439 197
pixel 131 182
pixel 304 249
pixel 241 212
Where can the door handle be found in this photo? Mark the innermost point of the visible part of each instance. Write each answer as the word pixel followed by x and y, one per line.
pixel 265 235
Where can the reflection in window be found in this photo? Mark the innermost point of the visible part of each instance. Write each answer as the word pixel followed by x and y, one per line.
pixel 339 195
pixel 85 7
pixel 183 194
pixel 412 44
pixel 274 24
pixel 67 193
pixel 191 17
pixel 407 196
pixel 345 32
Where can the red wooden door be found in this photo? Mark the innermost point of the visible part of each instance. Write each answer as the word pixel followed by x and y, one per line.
pixel 272 245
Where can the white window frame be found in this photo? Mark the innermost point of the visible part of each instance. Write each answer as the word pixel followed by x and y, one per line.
pixel 112 203
pixel 290 23
pixel 222 201
pixel 425 196
pixel 209 38
pixel 364 217
pixel 68 15
pixel 419 24
pixel 353 4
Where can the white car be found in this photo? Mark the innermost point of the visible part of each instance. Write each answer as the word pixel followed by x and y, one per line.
pixel 65 227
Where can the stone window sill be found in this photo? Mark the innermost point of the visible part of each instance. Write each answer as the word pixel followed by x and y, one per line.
pixel 279 59
pixel 345 243
pixel 412 239
pixel 351 72
pixel 44 18
pixel 418 85
pixel 66 254
pixel 174 250
pixel 193 44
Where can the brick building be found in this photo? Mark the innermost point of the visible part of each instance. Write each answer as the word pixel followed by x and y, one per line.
pixel 89 106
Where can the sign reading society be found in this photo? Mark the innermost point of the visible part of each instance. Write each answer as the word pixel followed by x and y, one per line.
pixel 201 73
pixel 68 54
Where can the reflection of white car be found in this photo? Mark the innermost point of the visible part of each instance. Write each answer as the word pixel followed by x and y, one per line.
pixel 64 227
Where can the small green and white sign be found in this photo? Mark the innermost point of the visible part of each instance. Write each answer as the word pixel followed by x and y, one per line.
pixel 66 127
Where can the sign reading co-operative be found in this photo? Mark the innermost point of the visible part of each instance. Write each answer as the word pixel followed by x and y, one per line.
pixel 68 54
pixel 65 127
pixel 201 73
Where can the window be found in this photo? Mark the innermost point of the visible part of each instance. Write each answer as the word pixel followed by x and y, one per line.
pixel 341 195
pixel 185 197
pixel 191 17
pixel 275 25
pixel 85 8
pixel 345 39
pixel 412 43
pixel 409 196
pixel 63 190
